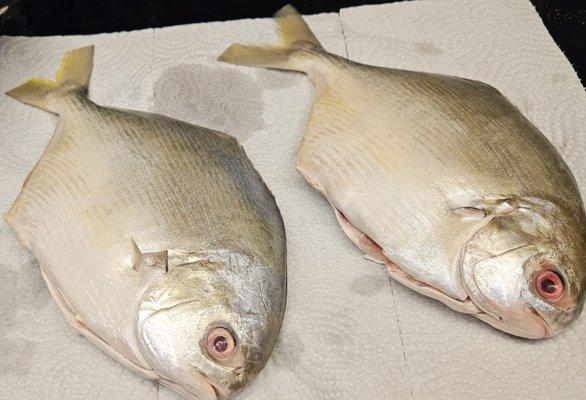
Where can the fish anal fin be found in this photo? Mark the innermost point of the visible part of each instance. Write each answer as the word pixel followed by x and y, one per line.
pixel 463 306
pixel 375 253
pixel 77 324
pixel 372 250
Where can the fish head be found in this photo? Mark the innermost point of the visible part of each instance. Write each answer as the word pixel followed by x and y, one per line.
pixel 206 330
pixel 526 270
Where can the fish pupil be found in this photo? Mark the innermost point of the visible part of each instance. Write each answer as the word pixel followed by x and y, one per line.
pixel 221 344
pixel 549 286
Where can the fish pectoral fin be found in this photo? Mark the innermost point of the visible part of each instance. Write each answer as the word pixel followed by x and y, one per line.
pixel 490 206
pixel 151 260
pixel 470 213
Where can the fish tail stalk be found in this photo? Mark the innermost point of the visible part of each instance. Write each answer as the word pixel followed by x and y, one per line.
pixel 298 46
pixel 75 71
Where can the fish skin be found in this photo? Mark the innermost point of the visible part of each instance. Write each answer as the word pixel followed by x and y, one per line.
pixel 423 167
pixel 137 218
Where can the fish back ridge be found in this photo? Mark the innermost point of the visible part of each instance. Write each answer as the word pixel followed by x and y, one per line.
pixel 74 72
pixel 298 46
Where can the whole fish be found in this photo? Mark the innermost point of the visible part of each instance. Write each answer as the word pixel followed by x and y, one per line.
pixel 443 180
pixel 158 239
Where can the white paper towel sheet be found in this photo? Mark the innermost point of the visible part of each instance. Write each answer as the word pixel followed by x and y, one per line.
pixel 349 333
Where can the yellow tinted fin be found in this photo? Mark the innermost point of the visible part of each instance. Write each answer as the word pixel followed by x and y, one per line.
pixel 293 29
pixel 34 92
pixel 75 69
pixel 297 44
pixel 76 66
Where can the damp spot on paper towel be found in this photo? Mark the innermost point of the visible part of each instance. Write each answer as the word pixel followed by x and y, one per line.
pixel 213 97
pixel 272 80
pixel 426 48
pixel 367 285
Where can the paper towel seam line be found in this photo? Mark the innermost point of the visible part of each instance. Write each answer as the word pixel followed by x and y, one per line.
pixel 401 338
pixel 343 34
pixel 152 68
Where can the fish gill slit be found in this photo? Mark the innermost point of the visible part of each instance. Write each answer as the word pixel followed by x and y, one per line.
pixel 396 309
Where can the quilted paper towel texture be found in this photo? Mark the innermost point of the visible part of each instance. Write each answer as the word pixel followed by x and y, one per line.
pixel 348 333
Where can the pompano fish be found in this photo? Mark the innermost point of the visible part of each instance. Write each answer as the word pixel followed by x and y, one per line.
pixel 443 180
pixel 158 239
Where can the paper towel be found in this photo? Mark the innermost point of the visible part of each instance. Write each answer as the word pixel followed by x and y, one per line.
pixel 348 333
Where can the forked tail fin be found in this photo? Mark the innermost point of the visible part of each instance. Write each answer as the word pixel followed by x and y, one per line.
pixel 75 68
pixel 296 39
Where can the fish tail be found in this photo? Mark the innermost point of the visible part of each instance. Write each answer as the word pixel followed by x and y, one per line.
pixel 297 42
pixel 75 69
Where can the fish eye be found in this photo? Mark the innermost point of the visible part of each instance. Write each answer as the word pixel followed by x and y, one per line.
pixel 220 343
pixel 549 285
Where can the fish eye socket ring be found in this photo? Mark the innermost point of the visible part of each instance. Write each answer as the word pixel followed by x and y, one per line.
pixel 220 343
pixel 549 285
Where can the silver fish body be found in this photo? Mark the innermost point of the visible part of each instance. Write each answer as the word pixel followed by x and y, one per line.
pixel 443 180
pixel 160 242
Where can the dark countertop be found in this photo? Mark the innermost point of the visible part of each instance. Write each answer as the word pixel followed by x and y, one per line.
pixel 565 19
